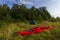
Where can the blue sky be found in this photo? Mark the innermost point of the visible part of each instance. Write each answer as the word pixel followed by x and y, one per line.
pixel 53 6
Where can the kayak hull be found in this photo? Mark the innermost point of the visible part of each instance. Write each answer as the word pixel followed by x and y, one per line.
pixel 35 30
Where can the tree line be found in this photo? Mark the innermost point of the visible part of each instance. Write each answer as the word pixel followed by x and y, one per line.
pixel 22 13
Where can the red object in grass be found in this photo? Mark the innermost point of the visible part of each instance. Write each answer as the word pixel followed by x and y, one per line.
pixel 35 30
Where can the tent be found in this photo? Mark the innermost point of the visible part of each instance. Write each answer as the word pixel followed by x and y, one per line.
pixel 32 22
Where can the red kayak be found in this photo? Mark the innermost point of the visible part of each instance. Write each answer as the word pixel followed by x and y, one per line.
pixel 35 30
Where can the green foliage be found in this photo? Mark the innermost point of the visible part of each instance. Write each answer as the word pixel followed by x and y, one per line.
pixel 22 13
pixel 52 19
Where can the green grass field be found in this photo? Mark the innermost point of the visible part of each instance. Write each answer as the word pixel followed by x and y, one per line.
pixel 7 31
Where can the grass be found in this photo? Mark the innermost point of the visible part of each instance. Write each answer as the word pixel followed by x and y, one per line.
pixel 7 31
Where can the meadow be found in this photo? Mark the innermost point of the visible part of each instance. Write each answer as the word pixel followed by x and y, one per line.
pixel 8 30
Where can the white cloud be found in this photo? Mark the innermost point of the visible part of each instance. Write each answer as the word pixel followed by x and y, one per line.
pixel 26 2
pixel 21 2
pixel 54 8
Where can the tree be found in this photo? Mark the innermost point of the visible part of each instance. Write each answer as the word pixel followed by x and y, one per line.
pixel 15 12
pixel 44 13
pixel 22 13
pixel 4 10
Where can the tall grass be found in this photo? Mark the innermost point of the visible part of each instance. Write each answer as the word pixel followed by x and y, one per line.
pixel 7 31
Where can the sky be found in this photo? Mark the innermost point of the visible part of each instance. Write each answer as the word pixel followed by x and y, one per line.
pixel 53 6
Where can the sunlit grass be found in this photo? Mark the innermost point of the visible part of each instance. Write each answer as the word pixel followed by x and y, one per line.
pixel 7 32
